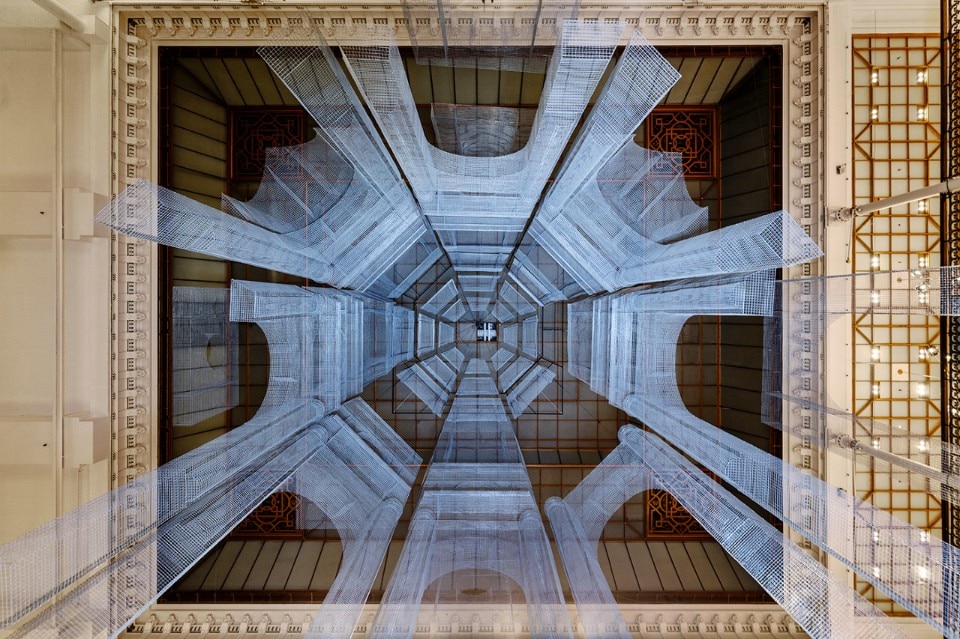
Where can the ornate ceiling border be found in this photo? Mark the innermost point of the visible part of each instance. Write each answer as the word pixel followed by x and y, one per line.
pixel 140 29
pixel 291 621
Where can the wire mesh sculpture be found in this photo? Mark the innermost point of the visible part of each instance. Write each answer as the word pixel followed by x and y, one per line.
pixel 338 210
pixel 633 337
pixel 479 202
pixel 205 355
pixel 476 531
pixel 324 346
pixel 819 601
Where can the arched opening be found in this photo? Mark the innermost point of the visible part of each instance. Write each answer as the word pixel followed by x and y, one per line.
pixel 286 550
pixel 720 369
pixel 473 586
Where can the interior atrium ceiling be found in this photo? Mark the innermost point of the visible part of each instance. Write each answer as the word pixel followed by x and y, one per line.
pixel 475 335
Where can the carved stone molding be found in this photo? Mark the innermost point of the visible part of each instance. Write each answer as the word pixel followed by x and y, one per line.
pixel 139 29
pixel 133 270
pixel 292 621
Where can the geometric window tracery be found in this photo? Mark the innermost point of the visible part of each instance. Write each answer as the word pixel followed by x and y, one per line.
pixel 691 131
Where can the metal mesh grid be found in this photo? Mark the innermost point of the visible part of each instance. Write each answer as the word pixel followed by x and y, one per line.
pixel 821 603
pixel 440 300
pixel 446 334
pixel 509 376
pixel 640 80
pixel 147 542
pixel 900 560
pixel 205 358
pixel 352 350
pixel 475 519
pixel 530 339
pixel 483 41
pixel 426 335
pixel 510 336
pixel 480 131
pixel 427 388
pixel 485 188
pixel 882 439
pixel 526 390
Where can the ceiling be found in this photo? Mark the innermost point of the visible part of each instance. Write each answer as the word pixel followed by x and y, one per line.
pixel 243 79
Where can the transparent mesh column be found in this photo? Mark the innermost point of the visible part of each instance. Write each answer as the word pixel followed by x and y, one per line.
pixel 476 528
pixel 100 565
pixel 205 355
pixel 479 187
pixel 357 484
pixel 898 559
pixel 129 545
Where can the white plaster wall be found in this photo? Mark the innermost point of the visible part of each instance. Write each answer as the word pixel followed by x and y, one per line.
pixel 55 442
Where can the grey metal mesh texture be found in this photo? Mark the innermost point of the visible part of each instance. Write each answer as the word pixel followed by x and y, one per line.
pixel 817 599
pixel 522 394
pixel 338 210
pixel 926 464
pixel 147 533
pixel 476 525
pixel 334 210
pixel 479 197
pixel 640 333
pixel 483 41
pixel 205 355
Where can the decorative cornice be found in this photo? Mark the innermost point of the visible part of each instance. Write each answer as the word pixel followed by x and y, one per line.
pixel 756 620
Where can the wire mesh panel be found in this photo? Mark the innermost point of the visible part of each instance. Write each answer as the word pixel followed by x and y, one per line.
pixel 205 355
pixel 325 344
pixel 480 131
pixel 523 393
pixel 143 536
pixel 489 183
pixel 819 601
pixel 501 357
pixel 454 357
pixel 426 387
pixel 514 371
pixel 126 547
pixel 510 336
pixel 640 80
pixel 580 339
pixel 156 214
pixel 334 209
pixel 360 493
pixel 900 560
pixel 540 275
pixel 381 438
pixel 426 335
pixel 476 529
pixel 441 300
pixel 446 334
pixel 530 339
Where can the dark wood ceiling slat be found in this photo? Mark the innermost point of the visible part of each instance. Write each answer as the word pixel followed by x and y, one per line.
pixel 743 71
pixel 465 85
pixel 224 83
pixel 510 85
pixel 442 79
pixel 688 69
pixel 488 86
pixel 721 80
pixel 419 77
pixel 701 81
pixel 196 68
pixel 241 78
pixel 531 88
pixel 265 81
